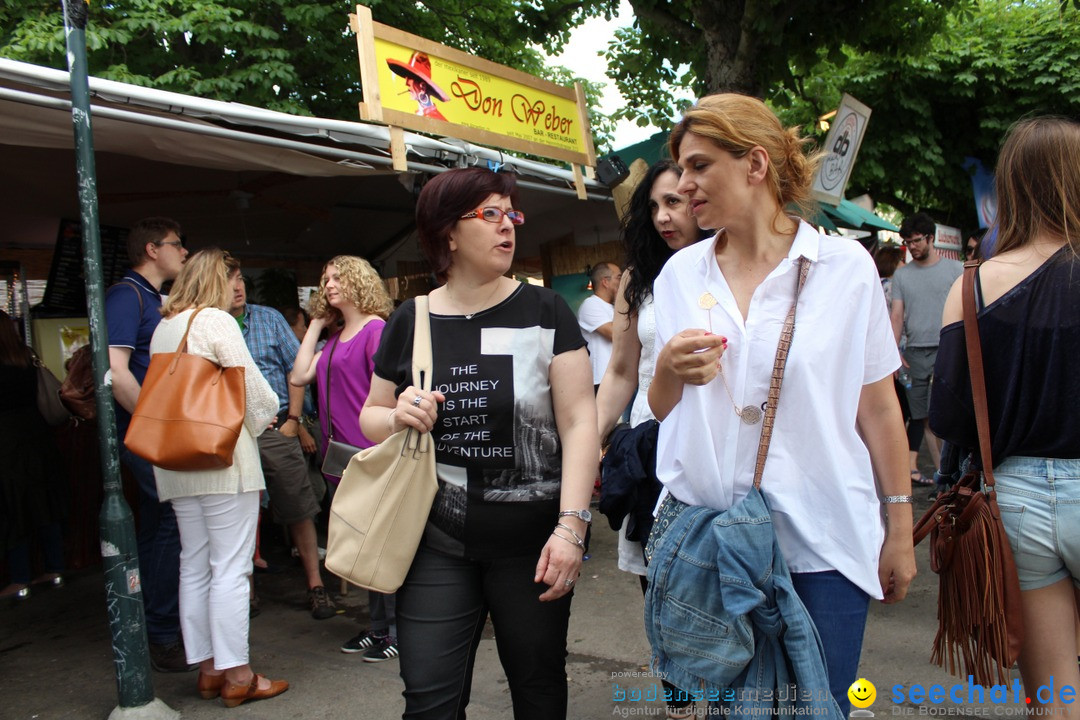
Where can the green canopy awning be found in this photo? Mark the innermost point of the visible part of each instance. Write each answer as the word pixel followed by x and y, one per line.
pixel 848 214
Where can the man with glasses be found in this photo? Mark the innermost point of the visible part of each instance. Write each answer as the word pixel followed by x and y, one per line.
pixel 132 313
pixel 596 315
pixel 919 289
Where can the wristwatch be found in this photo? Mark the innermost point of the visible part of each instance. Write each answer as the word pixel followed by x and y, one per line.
pixel 584 515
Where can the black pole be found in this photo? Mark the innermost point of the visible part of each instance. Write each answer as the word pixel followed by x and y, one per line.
pixel 123 587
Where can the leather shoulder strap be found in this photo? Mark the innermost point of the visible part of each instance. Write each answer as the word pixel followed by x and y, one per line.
pixel 975 368
pixel 329 362
pixel 786 334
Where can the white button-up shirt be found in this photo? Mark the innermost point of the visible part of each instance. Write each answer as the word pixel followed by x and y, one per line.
pixel 818 479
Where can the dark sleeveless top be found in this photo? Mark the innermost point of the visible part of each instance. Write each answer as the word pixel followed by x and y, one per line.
pixel 1031 356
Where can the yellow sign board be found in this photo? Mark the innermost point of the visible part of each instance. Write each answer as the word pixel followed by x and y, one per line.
pixel 418 84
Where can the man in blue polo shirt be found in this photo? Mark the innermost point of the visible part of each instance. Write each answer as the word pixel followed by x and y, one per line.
pixel 293 500
pixel 132 312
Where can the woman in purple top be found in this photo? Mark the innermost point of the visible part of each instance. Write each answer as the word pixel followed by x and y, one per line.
pixel 352 295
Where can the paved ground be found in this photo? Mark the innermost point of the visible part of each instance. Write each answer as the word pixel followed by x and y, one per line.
pixel 56 663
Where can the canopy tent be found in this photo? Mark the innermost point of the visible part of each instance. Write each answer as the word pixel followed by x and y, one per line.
pixel 848 214
pixel 257 182
pixel 832 217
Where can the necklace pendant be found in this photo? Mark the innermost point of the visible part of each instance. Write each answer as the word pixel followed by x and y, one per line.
pixel 751 414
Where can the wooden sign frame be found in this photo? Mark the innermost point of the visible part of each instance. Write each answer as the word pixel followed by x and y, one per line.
pixel 373 109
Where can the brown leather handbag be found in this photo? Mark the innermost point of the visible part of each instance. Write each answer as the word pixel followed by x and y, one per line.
pixel 190 411
pixel 980 621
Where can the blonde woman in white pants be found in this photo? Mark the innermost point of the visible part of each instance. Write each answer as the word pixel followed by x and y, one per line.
pixel 217 511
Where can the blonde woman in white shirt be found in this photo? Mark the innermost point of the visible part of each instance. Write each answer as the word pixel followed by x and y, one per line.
pixel 720 306
pixel 217 511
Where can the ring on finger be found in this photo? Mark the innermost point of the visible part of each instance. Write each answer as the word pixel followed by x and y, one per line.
pixel 417 400
pixel 569 583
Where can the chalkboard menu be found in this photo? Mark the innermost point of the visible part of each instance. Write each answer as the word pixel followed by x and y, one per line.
pixel 65 295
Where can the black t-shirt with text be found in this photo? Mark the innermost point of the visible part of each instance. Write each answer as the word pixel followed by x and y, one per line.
pixel 497 447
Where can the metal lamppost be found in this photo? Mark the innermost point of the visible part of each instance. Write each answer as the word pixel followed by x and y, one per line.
pixel 123 587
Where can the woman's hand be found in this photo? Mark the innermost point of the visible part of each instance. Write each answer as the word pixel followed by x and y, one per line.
pixel 416 408
pixel 693 356
pixel 896 566
pixel 690 358
pixel 560 563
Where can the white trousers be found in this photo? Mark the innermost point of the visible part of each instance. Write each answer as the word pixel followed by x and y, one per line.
pixel 217 543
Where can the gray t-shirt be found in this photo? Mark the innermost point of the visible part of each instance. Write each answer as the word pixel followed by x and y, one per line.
pixel 923 290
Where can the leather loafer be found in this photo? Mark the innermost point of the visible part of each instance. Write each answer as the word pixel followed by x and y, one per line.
pixel 233 694
pixel 210 685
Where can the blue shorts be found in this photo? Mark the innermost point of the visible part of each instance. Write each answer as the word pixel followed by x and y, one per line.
pixel 1040 508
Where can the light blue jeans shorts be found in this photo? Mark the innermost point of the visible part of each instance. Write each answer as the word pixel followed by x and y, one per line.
pixel 1040 508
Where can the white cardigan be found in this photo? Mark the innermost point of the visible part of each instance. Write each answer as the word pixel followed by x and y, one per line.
pixel 216 336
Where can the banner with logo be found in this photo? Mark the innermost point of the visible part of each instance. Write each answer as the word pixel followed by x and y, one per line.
pixel 842 145
pixel 415 83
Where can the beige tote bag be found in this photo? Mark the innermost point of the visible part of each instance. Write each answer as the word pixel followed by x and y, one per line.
pixel 385 495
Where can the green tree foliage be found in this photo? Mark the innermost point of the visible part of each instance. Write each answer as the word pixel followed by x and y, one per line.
pixel 956 98
pixel 295 56
pixel 750 46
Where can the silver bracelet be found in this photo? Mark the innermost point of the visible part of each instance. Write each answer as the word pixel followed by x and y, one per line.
pixel 897 499
pixel 580 540
pixel 579 544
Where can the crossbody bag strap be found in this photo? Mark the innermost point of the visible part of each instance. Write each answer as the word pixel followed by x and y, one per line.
pixel 329 362
pixel 786 334
pixel 975 368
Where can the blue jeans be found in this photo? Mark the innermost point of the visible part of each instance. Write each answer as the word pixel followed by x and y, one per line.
pixel 838 608
pixel 159 555
pixel 1039 500
pixel 441 611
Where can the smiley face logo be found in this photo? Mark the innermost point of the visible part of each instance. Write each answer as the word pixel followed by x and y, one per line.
pixel 862 693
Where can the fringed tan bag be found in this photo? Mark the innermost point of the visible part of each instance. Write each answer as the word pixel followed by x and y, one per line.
pixel 980 621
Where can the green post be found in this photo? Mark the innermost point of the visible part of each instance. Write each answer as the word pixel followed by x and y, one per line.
pixel 123 588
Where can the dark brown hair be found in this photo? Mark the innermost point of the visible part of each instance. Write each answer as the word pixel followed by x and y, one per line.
pixel 1038 183
pixel 148 230
pixel 443 201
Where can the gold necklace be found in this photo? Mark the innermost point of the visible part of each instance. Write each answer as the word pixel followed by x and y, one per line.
pixel 483 305
pixel 750 414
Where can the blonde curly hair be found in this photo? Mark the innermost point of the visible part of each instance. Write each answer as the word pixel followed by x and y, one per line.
pixel 360 285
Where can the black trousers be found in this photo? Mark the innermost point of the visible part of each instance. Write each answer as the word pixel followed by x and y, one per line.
pixel 441 611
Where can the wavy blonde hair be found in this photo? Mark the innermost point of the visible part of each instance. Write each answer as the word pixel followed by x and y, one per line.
pixel 203 282
pixel 738 123
pixel 360 285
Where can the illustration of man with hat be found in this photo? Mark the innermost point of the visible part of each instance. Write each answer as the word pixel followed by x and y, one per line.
pixel 417 74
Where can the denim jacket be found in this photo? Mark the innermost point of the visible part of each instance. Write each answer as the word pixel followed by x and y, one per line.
pixel 721 613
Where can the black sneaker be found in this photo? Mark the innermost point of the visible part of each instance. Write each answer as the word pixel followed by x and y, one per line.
pixel 322 607
pixel 384 649
pixel 170 658
pixel 361 642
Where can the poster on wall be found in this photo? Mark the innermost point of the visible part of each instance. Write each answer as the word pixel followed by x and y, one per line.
pixel 841 145
pixel 414 83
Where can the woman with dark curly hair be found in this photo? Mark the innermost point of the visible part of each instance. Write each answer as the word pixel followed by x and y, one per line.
pixel 657 224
